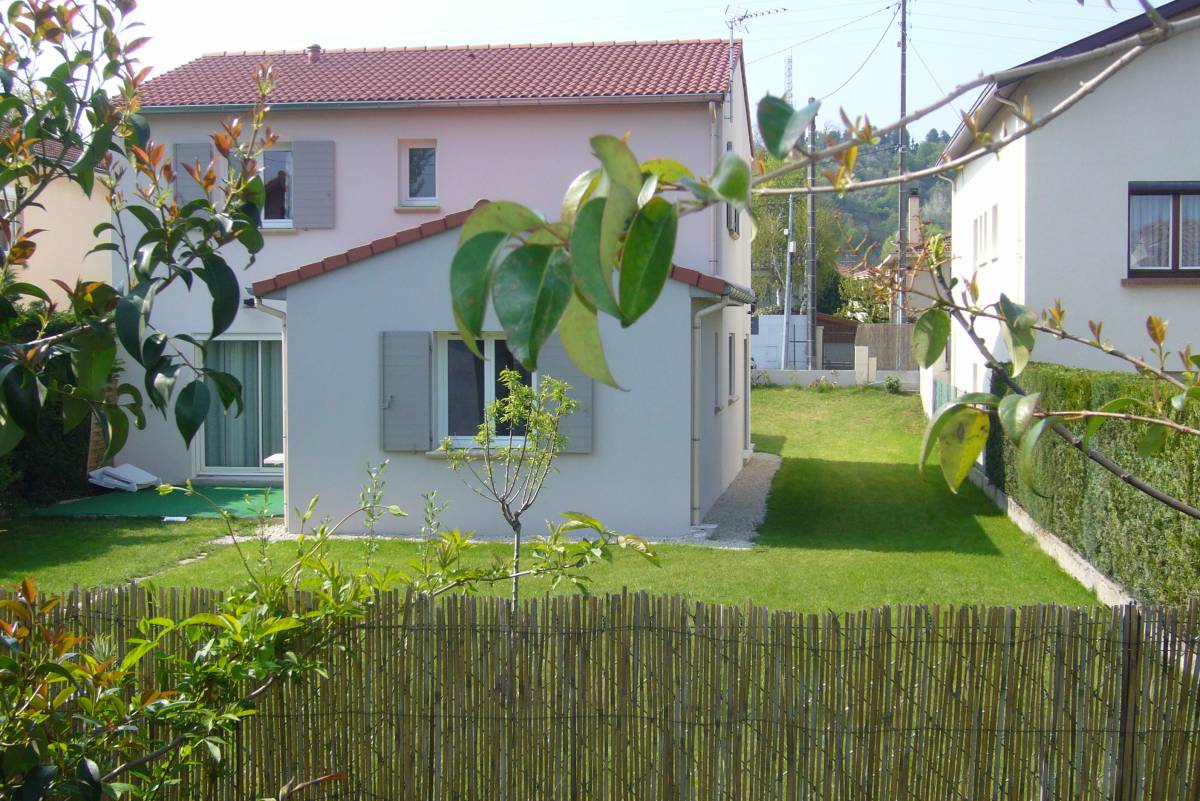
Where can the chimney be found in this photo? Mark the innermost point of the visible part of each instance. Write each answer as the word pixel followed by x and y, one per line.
pixel 914 216
pixel 314 53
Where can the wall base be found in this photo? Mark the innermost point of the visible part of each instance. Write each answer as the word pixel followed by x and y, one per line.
pixel 1109 591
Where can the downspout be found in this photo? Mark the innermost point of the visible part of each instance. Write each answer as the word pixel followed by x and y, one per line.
pixel 697 317
pixel 714 254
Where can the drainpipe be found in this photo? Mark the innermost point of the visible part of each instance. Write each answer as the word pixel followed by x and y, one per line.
pixel 697 317
pixel 714 253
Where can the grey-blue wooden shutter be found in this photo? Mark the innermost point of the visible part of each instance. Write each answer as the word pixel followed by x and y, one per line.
pixel 312 184
pixel 406 384
pixel 189 153
pixel 577 426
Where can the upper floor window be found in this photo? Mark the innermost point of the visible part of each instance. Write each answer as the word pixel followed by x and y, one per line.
pixel 418 173
pixel 278 174
pixel 1164 228
pixel 987 236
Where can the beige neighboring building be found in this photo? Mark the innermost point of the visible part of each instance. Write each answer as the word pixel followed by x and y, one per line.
pixel 69 217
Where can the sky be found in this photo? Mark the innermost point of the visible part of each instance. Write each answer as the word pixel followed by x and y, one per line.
pixel 845 51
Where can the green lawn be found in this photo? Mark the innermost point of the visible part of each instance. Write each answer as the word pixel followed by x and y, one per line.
pixel 61 552
pixel 850 525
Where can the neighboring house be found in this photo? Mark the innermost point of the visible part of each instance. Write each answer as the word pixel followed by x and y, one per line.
pixel 362 364
pixel 1101 208
pixel 68 218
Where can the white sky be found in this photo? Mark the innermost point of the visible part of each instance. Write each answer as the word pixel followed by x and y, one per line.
pixel 951 40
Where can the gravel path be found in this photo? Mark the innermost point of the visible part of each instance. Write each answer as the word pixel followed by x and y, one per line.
pixel 740 510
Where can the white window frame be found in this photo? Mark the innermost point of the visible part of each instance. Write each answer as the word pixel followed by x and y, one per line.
pixel 290 222
pixel 406 200
pixel 489 388
pixel 200 466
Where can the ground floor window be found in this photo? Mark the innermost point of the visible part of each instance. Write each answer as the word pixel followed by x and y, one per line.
pixel 242 442
pixel 467 385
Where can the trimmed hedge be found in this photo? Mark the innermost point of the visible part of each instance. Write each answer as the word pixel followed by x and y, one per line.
pixel 1150 549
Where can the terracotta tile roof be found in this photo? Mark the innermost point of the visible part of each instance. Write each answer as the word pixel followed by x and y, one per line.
pixel 475 73
pixel 708 283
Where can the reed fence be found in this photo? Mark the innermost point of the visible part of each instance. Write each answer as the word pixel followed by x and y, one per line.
pixel 654 698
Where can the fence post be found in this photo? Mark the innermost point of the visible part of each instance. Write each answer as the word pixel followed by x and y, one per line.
pixel 1131 643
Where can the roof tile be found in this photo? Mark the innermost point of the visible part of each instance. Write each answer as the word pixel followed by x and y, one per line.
pixel 496 72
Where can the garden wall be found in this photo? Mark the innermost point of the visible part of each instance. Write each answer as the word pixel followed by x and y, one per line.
pixel 1151 550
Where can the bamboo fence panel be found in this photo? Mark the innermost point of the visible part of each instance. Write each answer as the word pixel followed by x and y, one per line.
pixel 661 699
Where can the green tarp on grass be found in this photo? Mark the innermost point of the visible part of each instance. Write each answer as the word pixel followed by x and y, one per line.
pixel 148 503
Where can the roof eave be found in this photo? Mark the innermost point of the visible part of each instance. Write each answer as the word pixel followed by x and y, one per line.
pixel 350 105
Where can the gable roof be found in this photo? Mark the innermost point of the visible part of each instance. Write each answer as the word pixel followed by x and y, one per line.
pixel 987 104
pixel 697 68
pixel 268 286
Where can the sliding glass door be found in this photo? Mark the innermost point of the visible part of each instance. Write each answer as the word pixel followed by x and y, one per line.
pixel 240 443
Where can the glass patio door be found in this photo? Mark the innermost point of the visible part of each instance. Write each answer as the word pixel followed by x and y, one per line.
pixel 240 442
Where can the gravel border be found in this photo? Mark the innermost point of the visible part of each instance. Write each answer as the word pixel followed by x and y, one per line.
pixel 740 510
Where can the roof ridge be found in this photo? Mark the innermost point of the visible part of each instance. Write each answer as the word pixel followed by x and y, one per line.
pixel 440 48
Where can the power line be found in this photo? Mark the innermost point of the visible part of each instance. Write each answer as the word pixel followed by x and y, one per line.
pixel 866 60
pixel 823 33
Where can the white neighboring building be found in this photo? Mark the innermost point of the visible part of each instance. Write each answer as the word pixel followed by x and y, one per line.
pixel 1101 208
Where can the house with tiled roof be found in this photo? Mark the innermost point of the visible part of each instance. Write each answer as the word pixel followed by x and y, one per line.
pixel 347 348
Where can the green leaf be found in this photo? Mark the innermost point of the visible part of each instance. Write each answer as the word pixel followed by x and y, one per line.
pixel 731 181
pixel 669 171
pixel 646 260
pixel 37 783
pixel 961 439
pixel 649 187
pixel 10 437
pixel 620 166
pixel 229 389
pixel 116 431
pixel 930 335
pixel 1017 331
pixel 530 292
pixel 75 411
pixel 501 215
pixel 593 277
pixel 579 331
pixel 1153 441
pixel 191 407
pixel 22 399
pixel 942 416
pixel 89 779
pixel 131 325
pixel 223 286
pixel 782 126
pixel 1116 405
pixel 139 131
pixel 93 361
pixel 470 279
pixel 256 191
pixel 578 192
pixel 1028 449
pixel 1016 414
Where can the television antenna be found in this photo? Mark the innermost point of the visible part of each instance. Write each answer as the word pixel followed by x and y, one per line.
pixel 736 19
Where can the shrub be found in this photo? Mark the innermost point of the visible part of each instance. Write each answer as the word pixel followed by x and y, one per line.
pixel 892 385
pixel 1146 546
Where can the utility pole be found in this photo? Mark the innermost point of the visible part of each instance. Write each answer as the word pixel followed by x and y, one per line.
pixel 787 284
pixel 902 233
pixel 785 345
pixel 811 249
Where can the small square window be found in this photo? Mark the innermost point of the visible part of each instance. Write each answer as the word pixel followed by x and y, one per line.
pixel 277 181
pixel 418 173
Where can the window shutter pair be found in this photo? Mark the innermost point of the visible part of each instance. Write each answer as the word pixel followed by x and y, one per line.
pixel 406 384
pixel 312 181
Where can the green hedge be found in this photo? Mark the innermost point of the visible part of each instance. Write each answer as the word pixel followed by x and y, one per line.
pixel 49 464
pixel 1150 549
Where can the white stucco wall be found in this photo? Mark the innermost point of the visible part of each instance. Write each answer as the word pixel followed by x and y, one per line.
pixel 528 154
pixel 636 479
pixel 994 182
pixel 1139 126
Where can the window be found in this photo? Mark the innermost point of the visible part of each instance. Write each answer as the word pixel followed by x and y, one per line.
pixel 1164 229
pixel 467 385
pixel 733 217
pixel 987 236
pixel 240 443
pixel 717 404
pixel 418 173
pixel 277 180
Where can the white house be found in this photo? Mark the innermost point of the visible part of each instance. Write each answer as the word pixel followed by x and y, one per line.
pixel 1101 208
pixel 349 355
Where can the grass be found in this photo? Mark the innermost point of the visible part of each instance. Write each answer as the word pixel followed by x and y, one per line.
pixel 850 525
pixel 59 553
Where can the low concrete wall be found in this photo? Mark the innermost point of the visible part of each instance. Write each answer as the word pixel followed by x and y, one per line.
pixel 1109 591
pixel 805 378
